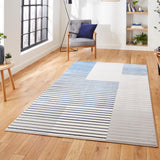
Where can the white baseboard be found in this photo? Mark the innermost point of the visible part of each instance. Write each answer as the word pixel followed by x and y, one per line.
pixel 135 48
pixel 28 62
pixel 109 46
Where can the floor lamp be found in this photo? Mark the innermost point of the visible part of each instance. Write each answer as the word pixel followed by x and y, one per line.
pixel 67 2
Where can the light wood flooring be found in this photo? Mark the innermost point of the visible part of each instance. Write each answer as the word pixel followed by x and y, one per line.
pixel 36 78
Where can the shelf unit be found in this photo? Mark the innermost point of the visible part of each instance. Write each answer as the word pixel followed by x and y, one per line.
pixel 144 45
pixel 137 29
pixel 136 17
pixel 137 12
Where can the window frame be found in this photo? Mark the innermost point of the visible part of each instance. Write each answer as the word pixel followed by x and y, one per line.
pixel 29 32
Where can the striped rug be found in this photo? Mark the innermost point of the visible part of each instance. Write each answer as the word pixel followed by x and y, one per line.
pixel 94 101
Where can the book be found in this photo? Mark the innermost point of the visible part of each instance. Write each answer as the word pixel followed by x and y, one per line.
pixel 126 6
pixel 132 8
pixel 136 24
pixel 129 8
pixel 137 27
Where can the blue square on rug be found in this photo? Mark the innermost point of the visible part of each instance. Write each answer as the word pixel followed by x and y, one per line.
pixel 134 69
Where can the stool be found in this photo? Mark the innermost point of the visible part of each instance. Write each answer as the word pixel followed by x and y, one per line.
pixel 2 68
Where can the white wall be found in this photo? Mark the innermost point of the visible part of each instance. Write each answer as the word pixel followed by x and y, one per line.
pixel 154 35
pixel 12 28
pixel 111 19
pixel 1 16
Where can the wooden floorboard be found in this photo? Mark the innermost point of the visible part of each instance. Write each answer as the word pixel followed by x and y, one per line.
pixel 36 78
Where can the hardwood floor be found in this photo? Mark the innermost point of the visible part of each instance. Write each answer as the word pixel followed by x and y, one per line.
pixel 36 78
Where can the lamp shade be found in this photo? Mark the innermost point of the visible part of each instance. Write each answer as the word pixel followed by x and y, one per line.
pixel 69 1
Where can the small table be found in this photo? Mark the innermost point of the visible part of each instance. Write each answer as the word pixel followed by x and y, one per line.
pixel 158 60
pixel 2 68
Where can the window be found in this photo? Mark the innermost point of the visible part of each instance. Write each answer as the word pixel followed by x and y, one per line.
pixel 34 24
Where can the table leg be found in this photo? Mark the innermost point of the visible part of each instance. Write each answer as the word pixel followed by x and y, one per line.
pixel 158 69
pixel 3 87
pixel 11 78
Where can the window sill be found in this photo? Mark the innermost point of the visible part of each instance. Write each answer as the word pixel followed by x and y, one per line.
pixel 35 47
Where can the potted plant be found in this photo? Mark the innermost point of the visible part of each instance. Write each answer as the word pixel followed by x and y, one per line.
pixel 8 57
pixel 2 36
pixel 135 2
pixel 140 39
pixel 139 8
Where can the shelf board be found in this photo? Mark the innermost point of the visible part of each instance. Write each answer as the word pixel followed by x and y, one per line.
pixel 136 45
pixel 137 29
pixel 137 12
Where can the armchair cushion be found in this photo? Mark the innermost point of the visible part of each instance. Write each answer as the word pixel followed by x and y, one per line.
pixel 78 42
pixel 86 30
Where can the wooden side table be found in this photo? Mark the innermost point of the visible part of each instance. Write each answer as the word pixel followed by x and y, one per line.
pixel 2 68
pixel 158 60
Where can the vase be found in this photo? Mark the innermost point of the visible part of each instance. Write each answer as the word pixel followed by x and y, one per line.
pixel 1 54
pixel 140 43
pixel 7 60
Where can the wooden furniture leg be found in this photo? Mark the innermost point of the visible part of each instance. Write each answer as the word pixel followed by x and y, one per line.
pixel 95 38
pixel 158 69
pixel 3 87
pixel 158 60
pixel 67 46
pixel 91 49
pixel 11 78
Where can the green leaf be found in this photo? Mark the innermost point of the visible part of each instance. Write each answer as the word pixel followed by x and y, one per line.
pixel 135 2
pixel 2 36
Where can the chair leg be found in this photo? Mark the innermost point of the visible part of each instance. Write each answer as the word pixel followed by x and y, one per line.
pixel 67 53
pixel 91 49
pixel 67 46
pixel 95 52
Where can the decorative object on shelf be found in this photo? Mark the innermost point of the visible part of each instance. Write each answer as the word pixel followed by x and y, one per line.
pixel 157 10
pixel 67 2
pixel 2 36
pixel 131 42
pixel 158 48
pixel 130 7
pixel 140 9
pixel 8 58
pixel 140 39
pixel 137 26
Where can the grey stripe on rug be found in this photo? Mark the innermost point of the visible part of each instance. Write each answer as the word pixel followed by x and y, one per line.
pixel 94 101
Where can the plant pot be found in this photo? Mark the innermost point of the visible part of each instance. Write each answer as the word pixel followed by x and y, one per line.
pixel 1 54
pixel 8 60
pixel 140 43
